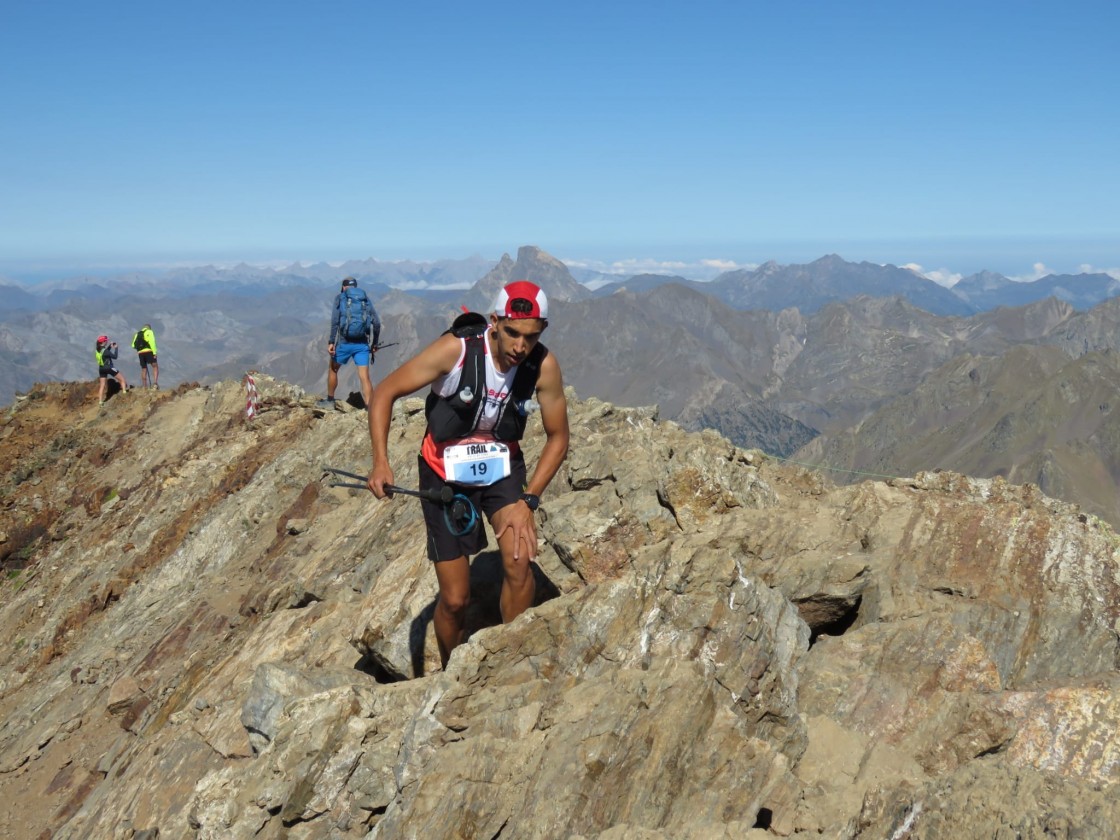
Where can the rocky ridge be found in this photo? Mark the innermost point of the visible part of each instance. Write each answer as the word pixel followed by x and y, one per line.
pixel 205 639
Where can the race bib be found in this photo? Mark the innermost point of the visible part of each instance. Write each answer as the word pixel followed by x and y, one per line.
pixel 476 463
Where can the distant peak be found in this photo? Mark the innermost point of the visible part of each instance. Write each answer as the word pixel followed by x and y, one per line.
pixel 531 253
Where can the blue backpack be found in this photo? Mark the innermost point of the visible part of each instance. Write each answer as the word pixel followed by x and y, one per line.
pixel 357 320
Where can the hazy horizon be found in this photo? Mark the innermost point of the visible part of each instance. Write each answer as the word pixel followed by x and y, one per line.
pixel 944 263
pixel 955 137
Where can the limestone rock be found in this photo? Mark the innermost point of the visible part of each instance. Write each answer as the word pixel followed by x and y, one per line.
pixel 722 645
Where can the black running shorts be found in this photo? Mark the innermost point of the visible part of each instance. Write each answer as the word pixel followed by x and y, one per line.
pixel 442 544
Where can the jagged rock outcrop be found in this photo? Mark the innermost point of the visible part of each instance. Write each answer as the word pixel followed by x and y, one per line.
pixel 207 640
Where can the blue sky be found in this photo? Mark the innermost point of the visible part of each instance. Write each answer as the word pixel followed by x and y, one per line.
pixel 958 136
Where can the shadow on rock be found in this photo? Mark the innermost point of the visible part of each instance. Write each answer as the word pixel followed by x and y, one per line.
pixel 485 607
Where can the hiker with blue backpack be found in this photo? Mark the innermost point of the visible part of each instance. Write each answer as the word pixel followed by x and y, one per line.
pixel 355 329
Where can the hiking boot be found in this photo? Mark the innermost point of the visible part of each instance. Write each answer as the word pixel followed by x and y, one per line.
pixel 327 403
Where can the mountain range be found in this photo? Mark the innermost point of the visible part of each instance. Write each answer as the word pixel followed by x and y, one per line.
pixel 806 287
pixel 803 361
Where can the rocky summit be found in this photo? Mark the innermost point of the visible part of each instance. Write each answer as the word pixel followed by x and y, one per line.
pixel 205 639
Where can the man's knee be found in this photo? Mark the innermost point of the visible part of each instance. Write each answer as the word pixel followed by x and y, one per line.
pixel 454 603
pixel 518 572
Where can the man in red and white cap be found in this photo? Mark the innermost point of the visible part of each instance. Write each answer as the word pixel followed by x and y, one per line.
pixel 522 299
pixel 482 379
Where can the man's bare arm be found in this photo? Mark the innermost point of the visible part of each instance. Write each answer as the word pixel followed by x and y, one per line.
pixel 435 360
pixel 517 517
pixel 554 418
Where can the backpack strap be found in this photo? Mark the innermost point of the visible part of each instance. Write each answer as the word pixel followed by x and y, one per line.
pixel 474 373
pixel 528 372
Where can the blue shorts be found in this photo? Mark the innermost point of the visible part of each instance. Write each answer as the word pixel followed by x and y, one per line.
pixel 358 352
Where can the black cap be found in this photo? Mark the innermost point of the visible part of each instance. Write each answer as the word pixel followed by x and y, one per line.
pixel 349 281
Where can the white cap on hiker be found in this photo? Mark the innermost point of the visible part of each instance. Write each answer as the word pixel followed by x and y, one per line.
pixel 521 299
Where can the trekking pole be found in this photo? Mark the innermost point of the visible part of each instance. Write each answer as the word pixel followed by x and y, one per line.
pixel 377 347
pixel 361 478
pixel 443 496
pixel 459 513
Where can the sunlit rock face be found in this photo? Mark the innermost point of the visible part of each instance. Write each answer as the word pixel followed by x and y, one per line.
pixel 206 639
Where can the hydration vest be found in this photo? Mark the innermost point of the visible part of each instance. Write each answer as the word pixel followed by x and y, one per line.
pixel 455 417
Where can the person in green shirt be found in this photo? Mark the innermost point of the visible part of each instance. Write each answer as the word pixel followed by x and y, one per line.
pixel 105 353
pixel 144 343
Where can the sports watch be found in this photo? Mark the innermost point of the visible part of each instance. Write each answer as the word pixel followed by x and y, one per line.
pixel 533 501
